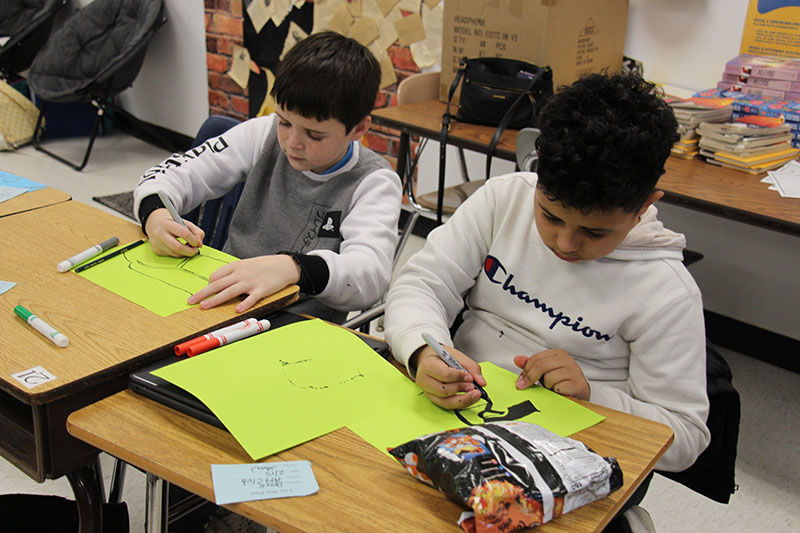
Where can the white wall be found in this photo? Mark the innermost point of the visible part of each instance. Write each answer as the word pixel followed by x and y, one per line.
pixel 171 90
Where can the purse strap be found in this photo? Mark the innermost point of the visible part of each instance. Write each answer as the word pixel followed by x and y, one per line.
pixel 443 137
pixel 507 118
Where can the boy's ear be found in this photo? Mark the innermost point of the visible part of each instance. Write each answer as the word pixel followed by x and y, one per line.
pixel 360 129
pixel 653 198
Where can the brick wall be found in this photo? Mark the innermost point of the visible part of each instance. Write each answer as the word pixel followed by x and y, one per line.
pixel 224 28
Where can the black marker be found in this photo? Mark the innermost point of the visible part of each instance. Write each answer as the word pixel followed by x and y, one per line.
pixel 109 256
pixel 450 361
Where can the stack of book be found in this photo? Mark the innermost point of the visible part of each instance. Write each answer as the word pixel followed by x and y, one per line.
pixel 759 111
pixel 746 147
pixel 690 112
pixel 762 76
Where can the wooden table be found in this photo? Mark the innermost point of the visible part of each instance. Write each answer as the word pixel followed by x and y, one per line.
pixel 33 200
pixel 689 183
pixel 361 489
pixel 108 338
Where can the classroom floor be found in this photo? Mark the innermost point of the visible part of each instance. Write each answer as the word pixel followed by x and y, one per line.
pixel 768 463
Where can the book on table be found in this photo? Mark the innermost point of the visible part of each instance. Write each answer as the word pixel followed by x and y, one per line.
pixel 759 168
pixel 751 145
pixel 742 129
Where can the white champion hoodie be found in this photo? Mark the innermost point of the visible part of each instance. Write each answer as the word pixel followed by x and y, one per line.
pixel 633 320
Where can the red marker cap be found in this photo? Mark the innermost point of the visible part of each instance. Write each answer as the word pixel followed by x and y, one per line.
pixel 203 346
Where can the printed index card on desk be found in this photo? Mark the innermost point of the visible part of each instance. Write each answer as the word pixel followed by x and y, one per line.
pixel 160 284
pixel 262 481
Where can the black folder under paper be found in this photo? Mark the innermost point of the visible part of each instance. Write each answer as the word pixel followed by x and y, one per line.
pixel 145 383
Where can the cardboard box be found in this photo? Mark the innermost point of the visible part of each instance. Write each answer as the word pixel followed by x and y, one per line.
pixel 573 37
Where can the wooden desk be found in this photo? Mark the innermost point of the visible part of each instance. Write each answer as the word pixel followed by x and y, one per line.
pixel 108 336
pixel 689 183
pixel 33 200
pixel 361 489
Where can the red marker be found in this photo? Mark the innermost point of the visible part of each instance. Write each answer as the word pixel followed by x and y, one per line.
pixel 221 340
pixel 180 349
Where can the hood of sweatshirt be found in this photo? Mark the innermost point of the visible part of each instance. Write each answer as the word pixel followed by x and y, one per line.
pixel 649 240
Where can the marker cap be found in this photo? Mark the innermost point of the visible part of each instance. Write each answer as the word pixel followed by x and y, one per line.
pixel 23 313
pixel 203 346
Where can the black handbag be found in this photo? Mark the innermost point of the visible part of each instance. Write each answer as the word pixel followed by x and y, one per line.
pixel 496 91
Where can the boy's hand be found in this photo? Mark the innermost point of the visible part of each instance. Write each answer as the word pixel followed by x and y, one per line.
pixel 257 277
pixel 163 233
pixel 444 385
pixel 558 371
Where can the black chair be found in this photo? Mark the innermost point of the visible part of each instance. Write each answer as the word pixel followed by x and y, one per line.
pixel 94 56
pixel 713 474
pixel 27 24
pixel 215 215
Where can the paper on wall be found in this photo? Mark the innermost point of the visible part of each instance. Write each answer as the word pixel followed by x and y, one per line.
pixel 386 6
pixel 364 30
pixel 388 76
pixel 323 11
pixel 295 35
pixel 269 105
pixel 387 32
pixel 341 20
pixel 260 13
pixel 428 52
pixel 409 29
pixel 240 66
pixel 282 8
pixel 410 6
pixel 354 7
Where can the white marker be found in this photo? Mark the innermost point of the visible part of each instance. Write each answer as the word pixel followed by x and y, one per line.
pixel 59 339
pixel 171 208
pixel 67 264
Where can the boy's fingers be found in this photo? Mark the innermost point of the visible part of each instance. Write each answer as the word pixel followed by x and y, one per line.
pixel 456 401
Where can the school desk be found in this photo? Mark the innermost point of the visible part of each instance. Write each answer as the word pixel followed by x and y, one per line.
pixel 108 338
pixel 692 183
pixel 360 488
pixel 33 200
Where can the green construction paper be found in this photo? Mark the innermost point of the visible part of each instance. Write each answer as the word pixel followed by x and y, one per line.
pixel 286 386
pixel 158 283
pixel 409 418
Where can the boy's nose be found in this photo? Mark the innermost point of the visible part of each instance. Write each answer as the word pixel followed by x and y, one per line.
pixel 294 141
pixel 568 241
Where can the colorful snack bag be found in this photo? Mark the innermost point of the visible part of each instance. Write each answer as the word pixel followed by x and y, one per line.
pixel 512 474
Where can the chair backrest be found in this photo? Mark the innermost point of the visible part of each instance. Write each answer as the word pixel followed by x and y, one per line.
pixel 27 24
pixel 214 216
pixel 98 52
pixel 713 474
pixel 418 88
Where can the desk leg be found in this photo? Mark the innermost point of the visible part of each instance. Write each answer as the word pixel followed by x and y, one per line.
pixel 157 504
pixel 87 486
pixel 402 155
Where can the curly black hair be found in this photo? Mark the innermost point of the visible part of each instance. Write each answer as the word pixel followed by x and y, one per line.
pixel 328 75
pixel 604 142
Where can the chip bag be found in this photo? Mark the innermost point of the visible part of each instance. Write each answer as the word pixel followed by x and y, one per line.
pixel 512 474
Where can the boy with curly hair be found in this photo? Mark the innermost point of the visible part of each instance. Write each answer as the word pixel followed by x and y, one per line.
pixel 566 276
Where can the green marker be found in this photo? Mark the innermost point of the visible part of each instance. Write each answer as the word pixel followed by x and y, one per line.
pixel 59 339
